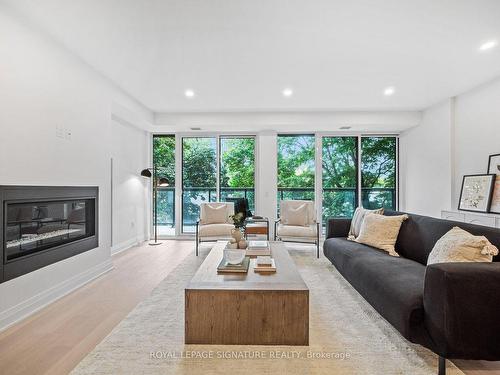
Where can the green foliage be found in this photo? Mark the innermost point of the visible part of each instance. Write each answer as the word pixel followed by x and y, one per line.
pixel 378 162
pixel 296 161
pixel 164 157
pixel 198 162
pixel 237 167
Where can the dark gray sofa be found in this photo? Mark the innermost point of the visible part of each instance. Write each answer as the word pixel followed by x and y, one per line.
pixel 451 308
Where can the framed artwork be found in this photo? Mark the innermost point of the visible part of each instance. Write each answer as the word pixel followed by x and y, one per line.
pixel 476 192
pixel 494 168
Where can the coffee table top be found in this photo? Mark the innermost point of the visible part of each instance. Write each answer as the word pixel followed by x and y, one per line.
pixel 286 277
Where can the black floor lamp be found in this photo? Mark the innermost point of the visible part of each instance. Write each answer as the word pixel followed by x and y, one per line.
pixel 162 181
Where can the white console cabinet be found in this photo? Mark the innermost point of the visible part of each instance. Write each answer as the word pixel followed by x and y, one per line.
pixel 488 220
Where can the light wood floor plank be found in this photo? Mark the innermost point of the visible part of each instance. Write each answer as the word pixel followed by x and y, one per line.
pixel 54 340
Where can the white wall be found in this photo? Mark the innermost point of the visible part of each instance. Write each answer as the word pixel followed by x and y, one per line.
pixel 266 176
pixel 477 132
pixel 425 162
pixel 44 88
pixel 455 138
pixel 130 214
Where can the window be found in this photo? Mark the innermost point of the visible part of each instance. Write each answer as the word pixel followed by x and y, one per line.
pixel 378 172
pixel 164 163
pixel 340 176
pixel 199 178
pixel 296 167
pixel 237 169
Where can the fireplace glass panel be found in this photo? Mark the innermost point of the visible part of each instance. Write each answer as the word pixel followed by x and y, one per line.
pixel 32 227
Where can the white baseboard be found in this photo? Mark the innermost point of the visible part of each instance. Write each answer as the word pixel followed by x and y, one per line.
pixel 39 301
pixel 125 245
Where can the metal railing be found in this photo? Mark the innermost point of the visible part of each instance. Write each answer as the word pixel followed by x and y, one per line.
pixel 193 196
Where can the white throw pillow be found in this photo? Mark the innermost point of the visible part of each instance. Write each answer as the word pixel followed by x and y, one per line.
pixel 214 214
pixel 298 216
pixel 357 220
pixel 458 245
pixel 381 231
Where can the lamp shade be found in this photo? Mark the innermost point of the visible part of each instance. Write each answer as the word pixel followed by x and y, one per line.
pixel 146 173
pixel 163 182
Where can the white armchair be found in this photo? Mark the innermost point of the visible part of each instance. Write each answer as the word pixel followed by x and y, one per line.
pixel 297 223
pixel 214 222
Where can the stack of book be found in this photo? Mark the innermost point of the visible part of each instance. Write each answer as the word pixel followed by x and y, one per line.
pixel 264 264
pixel 225 267
pixel 258 248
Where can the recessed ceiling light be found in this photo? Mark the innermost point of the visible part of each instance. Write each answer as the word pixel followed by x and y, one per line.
pixel 488 45
pixel 195 128
pixel 287 92
pixel 345 127
pixel 389 91
pixel 189 93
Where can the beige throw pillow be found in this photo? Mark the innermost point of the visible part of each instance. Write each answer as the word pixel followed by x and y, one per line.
pixel 458 245
pixel 298 216
pixel 357 220
pixel 214 214
pixel 381 231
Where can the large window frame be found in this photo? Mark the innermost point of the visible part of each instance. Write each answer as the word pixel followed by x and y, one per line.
pixel 318 181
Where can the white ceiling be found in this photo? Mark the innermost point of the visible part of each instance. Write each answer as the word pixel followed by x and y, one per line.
pixel 239 55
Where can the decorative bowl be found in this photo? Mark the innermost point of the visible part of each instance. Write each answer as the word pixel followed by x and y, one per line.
pixel 234 256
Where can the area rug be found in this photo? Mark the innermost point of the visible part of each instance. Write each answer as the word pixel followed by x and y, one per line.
pixel 347 336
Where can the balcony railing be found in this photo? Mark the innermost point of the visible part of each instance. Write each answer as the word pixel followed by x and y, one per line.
pixel 336 201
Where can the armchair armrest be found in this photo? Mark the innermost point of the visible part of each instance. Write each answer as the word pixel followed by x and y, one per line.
pixel 462 309
pixel 338 227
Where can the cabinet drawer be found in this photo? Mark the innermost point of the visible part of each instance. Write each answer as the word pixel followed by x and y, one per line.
pixel 455 216
pixel 488 221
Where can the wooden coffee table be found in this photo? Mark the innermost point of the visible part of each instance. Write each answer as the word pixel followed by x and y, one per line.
pixel 247 309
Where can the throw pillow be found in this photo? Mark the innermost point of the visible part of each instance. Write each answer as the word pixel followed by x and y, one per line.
pixel 214 214
pixel 458 245
pixel 381 231
pixel 297 216
pixel 357 220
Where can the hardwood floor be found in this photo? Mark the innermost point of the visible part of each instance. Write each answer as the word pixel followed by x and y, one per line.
pixel 54 340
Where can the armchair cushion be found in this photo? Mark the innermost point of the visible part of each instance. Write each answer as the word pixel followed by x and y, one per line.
pixel 296 231
pixel 285 206
pixel 215 230
pixel 216 212
pixel 298 216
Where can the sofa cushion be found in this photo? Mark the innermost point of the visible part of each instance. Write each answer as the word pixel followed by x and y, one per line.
pixel 419 234
pixel 458 245
pixel 357 220
pixel 394 286
pixel 296 231
pixel 381 231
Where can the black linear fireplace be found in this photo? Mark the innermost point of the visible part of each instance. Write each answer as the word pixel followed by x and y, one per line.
pixel 41 225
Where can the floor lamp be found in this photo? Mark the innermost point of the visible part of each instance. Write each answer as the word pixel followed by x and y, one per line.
pixel 156 182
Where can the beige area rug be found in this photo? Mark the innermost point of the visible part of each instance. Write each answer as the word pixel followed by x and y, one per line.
pixel 347 336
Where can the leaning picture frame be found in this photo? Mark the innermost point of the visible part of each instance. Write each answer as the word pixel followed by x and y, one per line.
pixel 494 168
pixel 476 192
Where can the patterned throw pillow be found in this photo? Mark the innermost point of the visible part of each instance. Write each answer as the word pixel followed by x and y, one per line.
pixel 458 245
pixel 357 220
pixel 381 231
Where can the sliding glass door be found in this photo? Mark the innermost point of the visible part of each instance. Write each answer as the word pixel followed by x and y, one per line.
pixel 164 164
pixel 296 167
pixel 379 172
pixel 199 178
pixel 237 168
pixel 339 176
pixel 215 168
